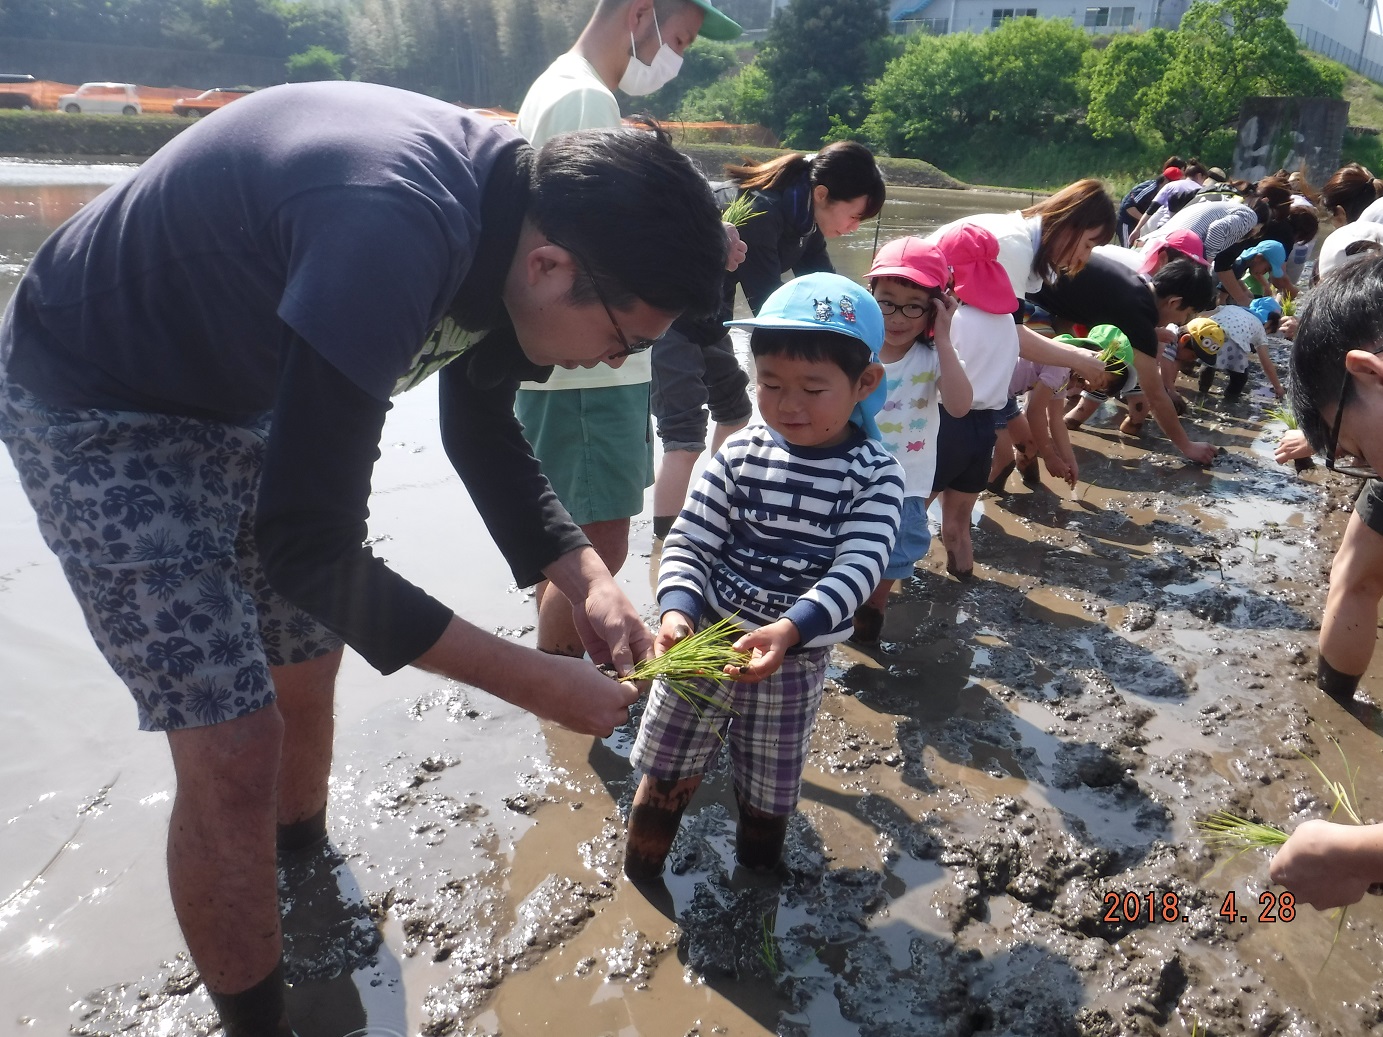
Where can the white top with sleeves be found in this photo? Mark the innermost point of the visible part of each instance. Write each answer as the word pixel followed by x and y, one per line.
pixel 773 531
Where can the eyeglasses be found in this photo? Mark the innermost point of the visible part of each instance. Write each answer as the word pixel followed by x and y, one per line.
pixel 639 345
pixel 912 310
pixel 1332 443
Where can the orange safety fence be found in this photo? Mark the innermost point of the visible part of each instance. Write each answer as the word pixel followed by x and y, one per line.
pixel 44 94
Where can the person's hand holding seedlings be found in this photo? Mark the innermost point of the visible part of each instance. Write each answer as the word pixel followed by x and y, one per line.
pixel 766 647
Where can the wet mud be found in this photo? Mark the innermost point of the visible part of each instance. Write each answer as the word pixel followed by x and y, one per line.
pixel 997 831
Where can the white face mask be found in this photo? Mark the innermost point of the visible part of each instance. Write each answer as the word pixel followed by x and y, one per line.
pixel 640 79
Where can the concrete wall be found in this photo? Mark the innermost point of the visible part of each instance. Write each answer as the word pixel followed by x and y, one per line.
pixel 1282 132
pixel 87 62
pixel 977 15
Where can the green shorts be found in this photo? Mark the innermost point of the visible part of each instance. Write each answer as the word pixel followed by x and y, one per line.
pixel 595 445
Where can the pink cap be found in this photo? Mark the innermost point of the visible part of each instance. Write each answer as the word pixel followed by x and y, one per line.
pixel 1185 242
pixel 1172 173
pixel 913 259
pixel 979 279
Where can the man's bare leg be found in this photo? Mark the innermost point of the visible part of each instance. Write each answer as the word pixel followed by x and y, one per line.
pixel 556 629
pixel 306 695
pixel 221 868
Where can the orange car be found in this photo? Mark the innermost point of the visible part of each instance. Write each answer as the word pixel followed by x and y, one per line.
pixel 209 100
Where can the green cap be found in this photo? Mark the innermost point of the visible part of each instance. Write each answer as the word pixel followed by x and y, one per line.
pixel 717 26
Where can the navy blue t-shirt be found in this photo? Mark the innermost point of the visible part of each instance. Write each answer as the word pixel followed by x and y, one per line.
pixel 295 254
pixel 346 213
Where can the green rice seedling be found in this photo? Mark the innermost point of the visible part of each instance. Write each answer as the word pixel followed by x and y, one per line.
pixel 1289 307
pixel 703 655
pixel 768 946
pixel 1284 415
pixel 740 211
pixel 1225 831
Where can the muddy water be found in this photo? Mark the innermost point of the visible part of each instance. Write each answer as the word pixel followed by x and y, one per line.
pixel 992 796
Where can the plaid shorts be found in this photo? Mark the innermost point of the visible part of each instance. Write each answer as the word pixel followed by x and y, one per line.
pixel 152 518
pixel 767 727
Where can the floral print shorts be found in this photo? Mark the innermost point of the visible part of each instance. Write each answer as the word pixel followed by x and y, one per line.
pixel 152 518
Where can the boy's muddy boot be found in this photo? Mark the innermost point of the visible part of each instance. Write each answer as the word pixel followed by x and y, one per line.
pixel 653 822
pixel 1032 478
pixel 759 838
pixel 867 624
pixel 260 1011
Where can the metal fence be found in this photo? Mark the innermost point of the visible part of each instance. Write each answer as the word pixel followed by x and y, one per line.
pixel 1337 51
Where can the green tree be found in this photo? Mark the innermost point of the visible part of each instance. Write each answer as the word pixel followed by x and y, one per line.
pixel 314 64
pixel 818 56
pixel 1020 79
pixel 1225 51
pixel 704 62
pixel 1119 78
pixel 742 97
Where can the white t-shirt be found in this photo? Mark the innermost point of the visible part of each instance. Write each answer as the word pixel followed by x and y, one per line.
pixel 1243 334
pixel 1374 213
pixel 1129 257
pixel 908 421
pixel 568 96
pixel 987 344
pixel 1018 238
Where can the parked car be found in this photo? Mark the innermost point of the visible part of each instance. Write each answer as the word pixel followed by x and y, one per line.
pixel 209 100
pixel 16 90
pixel 97 98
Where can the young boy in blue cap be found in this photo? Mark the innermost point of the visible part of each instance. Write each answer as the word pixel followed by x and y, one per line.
pixel 787 532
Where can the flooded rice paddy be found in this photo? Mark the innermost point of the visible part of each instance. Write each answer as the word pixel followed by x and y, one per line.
pixel 997 832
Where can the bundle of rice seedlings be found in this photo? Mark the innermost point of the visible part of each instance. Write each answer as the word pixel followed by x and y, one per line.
pixel 740 211
pixel 1285 415
pixel 1223 830
pixel 702 656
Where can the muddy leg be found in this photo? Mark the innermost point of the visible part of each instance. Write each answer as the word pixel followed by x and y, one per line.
pixel 955 533
pixel 759 837
pixel 653 822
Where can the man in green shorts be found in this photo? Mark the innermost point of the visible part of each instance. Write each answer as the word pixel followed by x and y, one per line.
pixel 590 427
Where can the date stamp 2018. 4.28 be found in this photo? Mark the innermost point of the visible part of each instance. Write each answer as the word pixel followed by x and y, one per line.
pixel 1153 906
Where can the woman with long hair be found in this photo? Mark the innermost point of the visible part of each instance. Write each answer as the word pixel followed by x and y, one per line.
pixel 797 203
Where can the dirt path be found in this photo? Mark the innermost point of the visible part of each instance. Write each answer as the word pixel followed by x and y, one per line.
pixel 996 800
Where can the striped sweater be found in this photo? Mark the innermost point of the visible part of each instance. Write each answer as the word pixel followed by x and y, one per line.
pixel 773 530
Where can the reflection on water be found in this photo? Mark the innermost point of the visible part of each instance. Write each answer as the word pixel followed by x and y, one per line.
pixel 35 197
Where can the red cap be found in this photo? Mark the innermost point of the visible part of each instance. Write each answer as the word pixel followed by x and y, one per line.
pixel 1172 173
pixel 1185 242
pixel 979 279
pixel 912 259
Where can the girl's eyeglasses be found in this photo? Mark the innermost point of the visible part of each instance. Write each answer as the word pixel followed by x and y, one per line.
pixel 912 310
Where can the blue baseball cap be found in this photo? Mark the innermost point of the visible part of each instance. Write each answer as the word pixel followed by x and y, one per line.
pixel 1272 251
pixel 1263 308
pixel 821 302
pixel 828 302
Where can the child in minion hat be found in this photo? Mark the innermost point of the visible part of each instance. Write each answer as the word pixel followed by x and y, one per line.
pixel 986 340
pixel 787 532
pixel 1243 331
pixel 922 373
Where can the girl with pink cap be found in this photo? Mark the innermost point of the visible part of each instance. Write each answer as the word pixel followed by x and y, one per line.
pixel 922 374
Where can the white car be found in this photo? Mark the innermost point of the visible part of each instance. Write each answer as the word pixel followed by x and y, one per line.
pixel 102 98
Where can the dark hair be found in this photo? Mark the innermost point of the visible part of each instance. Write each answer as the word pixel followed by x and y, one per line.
pixel 1305 225
pixel 1343 312
pixel 587 182
pixel 1175 161
pixel 1069 214
pixel 1188 279
pixel 846 169
pixel 1194 168
pixel 1351 188
pixel 1277 192
pixel 816 345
